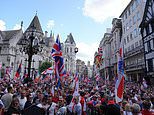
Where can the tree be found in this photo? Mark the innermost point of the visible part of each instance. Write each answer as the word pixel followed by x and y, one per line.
pixel 44 66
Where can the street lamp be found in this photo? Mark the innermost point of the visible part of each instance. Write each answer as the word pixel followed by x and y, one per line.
pixel 31 45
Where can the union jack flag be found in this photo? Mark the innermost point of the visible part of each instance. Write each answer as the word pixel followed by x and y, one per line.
pixel 59 61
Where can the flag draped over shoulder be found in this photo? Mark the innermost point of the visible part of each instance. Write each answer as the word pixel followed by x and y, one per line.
pixel 119 86
pixel 17 75
pixel 59 61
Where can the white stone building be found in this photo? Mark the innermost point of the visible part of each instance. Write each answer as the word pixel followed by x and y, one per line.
pixel 10 55
pixel 133 46
pixel 69 54
pixel 105 44
pixel 115 44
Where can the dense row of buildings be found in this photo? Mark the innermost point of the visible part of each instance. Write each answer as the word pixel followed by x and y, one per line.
pixel 135 29
pixel 11 54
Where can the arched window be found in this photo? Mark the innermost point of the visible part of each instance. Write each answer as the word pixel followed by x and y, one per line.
pixel 71 50
pixel 35 42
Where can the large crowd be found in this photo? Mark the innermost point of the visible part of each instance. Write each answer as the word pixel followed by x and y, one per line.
pixel 43 98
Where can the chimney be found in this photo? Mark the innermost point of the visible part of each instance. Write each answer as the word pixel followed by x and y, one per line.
pixel 46 34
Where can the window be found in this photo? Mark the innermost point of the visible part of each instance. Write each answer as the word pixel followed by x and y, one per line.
pixel 0 50
pixel 126 15
pixel 125 50
pixel 144 32
pixel 132 47
pixel 67 50
pixel 146 47
pixel 129 48
pixel 138 1
pixel 147 30
pixel 140 42
pixel 127 38
pixel 131 36
pixel 153 43
pixel 127 26
pixel 125 41
pixel 71 50
pixel 130 23
pixel 149 46
pixel 135 33
pixel 150 65
pixel 134 19
pixel 133 6
pixel 138 15
pixel 153 63
pixel 136 44
pixel 129 13
pixel 124 29
pixel 139 31
pixel 35 42
pixel 150 28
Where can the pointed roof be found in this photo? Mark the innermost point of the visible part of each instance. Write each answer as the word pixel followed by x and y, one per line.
pixel 35 23
pixel 147 16
pixel 70 39
pixel 7 35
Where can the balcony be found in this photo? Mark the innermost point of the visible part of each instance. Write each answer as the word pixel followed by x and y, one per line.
pixel 134 52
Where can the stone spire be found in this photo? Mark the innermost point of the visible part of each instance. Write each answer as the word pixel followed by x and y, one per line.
pixel 35 24
pixel 70 39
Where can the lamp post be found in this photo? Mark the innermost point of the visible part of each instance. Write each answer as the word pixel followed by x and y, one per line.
pixel 76 50
pixel 30 45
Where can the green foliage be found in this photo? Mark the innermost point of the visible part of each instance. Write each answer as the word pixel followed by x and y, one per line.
pixel 44 66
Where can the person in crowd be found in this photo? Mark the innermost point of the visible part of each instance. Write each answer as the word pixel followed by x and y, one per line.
pixel 112 108
pixel 14 108
pixel 29 101
pixel 22 99
pixel 7 98
pixel 77 108
pixel 127 109
pixel 62 108
pixel 146 108
pixel 136 109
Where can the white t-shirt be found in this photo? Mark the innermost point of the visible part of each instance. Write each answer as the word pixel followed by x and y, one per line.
pixel 22 102
pixel 52 108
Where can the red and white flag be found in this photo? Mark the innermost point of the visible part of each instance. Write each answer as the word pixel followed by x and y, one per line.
pixel 119 86
pixel 97 77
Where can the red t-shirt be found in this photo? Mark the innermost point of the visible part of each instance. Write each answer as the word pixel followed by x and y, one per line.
pixel 147 112
pixel 55 99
